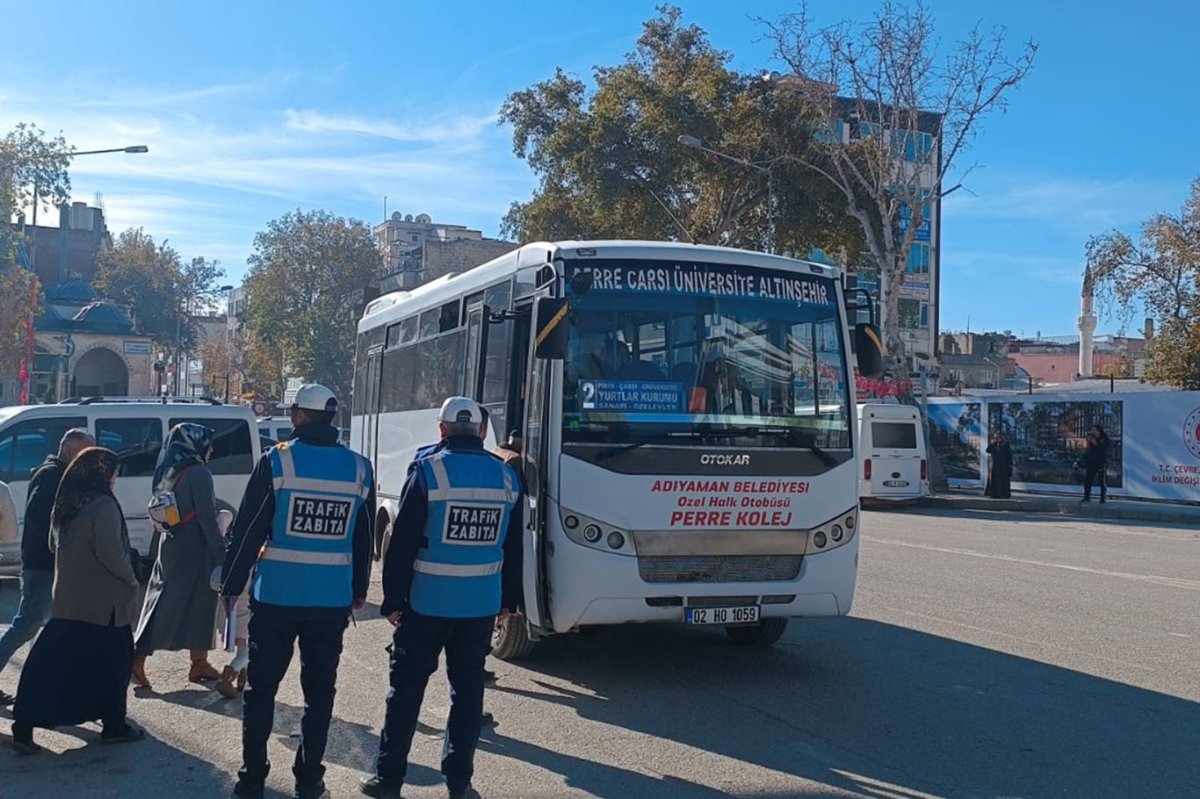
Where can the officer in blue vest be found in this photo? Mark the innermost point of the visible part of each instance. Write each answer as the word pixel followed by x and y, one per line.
pixel 305 530
pixel 454 563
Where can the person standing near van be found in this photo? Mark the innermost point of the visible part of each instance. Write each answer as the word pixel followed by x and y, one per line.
pixel 8 515
pixel 1095 464
pixel 305 529
pixel 180 605
pixel 37 558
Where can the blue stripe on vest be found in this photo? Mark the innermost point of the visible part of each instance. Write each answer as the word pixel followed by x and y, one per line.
pixel 308 560
pixel 457 573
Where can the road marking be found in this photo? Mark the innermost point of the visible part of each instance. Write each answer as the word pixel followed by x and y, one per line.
pixel 1179 635
pixel 1169 582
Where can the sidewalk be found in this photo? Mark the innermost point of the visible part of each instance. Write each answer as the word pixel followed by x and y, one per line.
pixel 1067 506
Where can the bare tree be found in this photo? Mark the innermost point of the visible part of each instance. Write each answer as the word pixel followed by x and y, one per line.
pixel 895 116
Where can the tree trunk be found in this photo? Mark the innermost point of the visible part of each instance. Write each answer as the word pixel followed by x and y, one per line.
pixel 895 354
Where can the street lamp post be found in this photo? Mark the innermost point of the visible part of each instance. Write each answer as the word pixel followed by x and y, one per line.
pixel 694 142
pixel 132 150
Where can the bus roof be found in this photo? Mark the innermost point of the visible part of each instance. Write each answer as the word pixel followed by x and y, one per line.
pixel 400 304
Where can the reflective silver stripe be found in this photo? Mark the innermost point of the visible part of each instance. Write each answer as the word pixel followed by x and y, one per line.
pixel 439 475
pixel 447 493
pixel 457 570
pixel 466 494
pixel 290 481
pixel 308 558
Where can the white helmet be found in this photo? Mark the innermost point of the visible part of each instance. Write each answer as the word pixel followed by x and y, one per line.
pixel 460 410
pixel 315 397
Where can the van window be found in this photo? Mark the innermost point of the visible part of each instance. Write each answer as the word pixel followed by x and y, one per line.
pixel 232 449
pixel 894 435
pixel 136 441
pixel 24 445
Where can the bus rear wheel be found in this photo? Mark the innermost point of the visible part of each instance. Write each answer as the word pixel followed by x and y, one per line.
pixel 765 633
pixel 510 639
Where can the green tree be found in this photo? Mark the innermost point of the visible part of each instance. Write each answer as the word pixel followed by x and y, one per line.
pixel 610 163
pixel 159 291
pixel 895 117
pixel 309 275
pixel 1160 273
pixel 30 163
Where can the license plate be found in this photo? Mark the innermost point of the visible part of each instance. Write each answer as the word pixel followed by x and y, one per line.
pixel 743 615
pixel 895 483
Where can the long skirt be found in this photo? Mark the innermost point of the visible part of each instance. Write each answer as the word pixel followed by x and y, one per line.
pixel 76 672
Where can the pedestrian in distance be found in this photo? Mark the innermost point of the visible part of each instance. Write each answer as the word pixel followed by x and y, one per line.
pixel 305 529
pixel 454 564
pixel 78 670
pixel 1000 458
pixel 180 605
pixel 1095 464
pixel 37 556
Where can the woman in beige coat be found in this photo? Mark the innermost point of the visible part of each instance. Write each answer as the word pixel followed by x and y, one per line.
pixel 78 670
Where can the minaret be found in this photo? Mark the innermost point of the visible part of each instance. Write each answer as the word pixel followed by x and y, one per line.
pixel 1087 324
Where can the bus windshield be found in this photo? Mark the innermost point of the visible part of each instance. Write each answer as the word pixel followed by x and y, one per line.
pixel 705 353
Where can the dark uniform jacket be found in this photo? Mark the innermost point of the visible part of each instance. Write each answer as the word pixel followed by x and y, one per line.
pixel 39 503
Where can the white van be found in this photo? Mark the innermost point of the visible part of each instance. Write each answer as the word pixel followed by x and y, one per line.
pixel 134 428
pixel 277 428
pixel 894 464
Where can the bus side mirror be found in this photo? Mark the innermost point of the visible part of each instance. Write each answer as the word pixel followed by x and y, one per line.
pixel 869 350
pixel 550 328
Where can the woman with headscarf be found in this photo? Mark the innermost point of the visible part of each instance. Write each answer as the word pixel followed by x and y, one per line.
pixel 180 608
pixel 78 670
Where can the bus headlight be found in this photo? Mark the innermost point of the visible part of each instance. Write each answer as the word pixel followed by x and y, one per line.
pixel 616 540
pixel 830 535
pixel 571 522
pixel 819 539
pixel 591 533
pixel 836 532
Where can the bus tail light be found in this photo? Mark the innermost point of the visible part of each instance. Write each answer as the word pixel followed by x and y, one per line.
pixel 867 469
pixel 924 469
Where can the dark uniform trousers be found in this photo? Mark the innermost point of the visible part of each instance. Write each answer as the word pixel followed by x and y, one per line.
pixel 416 646
pixel 273 635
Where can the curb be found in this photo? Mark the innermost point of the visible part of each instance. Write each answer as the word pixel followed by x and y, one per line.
pixel 1174 514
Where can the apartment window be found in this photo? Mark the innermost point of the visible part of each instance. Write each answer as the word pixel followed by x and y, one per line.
pixel 918 259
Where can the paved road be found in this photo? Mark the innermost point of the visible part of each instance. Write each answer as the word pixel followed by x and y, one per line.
pixel 987 656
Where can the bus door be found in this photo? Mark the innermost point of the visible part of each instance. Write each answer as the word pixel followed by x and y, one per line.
pixel 536 422
pixel 370 435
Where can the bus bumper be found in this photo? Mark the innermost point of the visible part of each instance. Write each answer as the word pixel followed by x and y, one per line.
pixel 824 587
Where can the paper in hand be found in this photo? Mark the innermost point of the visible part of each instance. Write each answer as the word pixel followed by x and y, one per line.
pixel 230 632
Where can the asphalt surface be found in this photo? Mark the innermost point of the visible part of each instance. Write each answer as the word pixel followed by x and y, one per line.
pixel 987 655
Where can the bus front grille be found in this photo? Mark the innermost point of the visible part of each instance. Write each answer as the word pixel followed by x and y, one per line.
pixel 719 568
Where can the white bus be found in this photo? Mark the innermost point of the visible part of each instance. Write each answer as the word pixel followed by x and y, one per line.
pixel 891 446
pixel 688 421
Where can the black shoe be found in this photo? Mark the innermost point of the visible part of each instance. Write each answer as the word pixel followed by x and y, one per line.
pixel 310 790
pixel 1085 499
pixel 381 788
pixel 247 790
pixel 487 720
pixel 489 677
pixel 7 699
pixel 465 793
pixel 1102 501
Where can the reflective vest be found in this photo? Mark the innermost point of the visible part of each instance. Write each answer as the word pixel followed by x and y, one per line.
pixel 457 571
pixel 309 559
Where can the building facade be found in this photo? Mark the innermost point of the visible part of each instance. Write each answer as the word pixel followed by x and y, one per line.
pixel 70 250
pixel 416 250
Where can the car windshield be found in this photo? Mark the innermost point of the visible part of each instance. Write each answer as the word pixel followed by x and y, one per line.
pixel 703 353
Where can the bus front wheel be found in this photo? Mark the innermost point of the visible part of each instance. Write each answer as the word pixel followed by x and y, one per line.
pixel 510 639
pixel 765 633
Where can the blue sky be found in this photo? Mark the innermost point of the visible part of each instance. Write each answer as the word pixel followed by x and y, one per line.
pixel 252 109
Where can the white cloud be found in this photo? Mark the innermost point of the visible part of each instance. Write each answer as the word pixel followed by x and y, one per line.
pixel 1078 205
pixel 436 128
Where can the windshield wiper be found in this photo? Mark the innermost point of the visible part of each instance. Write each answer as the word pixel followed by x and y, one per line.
pixel 658 438
pixel 794 437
